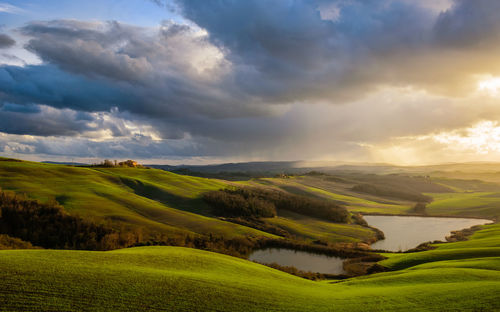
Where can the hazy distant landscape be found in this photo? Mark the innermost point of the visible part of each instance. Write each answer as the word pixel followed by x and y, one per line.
pixel 249 155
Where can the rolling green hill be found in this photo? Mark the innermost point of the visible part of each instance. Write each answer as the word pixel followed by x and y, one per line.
pixel 462 278
pixel 456 197
pixel 153 199
pixel 150 198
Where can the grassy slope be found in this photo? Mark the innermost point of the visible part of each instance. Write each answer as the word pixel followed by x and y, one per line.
pixel 472 198
pixel 146 197
pixel 151 198
pixel 482 244
pixel 181 279
pixel 471 204
pixel 312 228
pixel 462 276
pixel 338 192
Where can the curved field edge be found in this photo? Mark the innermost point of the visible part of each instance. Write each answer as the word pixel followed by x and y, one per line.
pixel 483 244
pixel 183 279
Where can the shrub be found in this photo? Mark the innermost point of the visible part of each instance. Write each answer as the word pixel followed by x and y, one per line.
pixel 239 203
pixel 48 225
pixel 253 202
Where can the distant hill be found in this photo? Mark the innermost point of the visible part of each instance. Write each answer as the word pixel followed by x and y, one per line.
pixel 64 163
pixel 278 167
pixel 300 167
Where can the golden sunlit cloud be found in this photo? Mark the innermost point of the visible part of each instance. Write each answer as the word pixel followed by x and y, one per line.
pixel 483 138
pixel 481 141
pixel 490 85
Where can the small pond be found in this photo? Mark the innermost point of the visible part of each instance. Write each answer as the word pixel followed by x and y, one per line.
pixel 406 232
pixel 302 260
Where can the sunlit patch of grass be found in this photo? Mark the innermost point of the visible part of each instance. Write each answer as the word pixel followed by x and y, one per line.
pixel 150 198
pixel 181 279
pixel 473 204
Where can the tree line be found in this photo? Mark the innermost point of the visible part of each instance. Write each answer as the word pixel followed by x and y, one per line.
pixel 48 225
pixel 253 202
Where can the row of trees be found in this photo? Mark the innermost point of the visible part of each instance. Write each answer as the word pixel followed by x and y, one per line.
pixel 106 163
pixel 48 225
pixel 240 203
pixel 25 222
pixel 253 202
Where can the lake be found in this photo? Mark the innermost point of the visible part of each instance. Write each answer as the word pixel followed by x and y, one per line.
pixel 406 232
pixel 302 260
pixel 401 233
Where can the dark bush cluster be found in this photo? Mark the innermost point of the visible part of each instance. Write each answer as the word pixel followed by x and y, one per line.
pixel 237 247
pixel 47 225
pixel 7 242
pixel 253 202
pixel 240 203
pixel 420 208
pixel 106 163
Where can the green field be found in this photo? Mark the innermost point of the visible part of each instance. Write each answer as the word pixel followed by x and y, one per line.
pixel 312 228
pixel 459 276
pixel 150 198
pixel 318 187
pixel 471 198
pixel 469 204
pixel 462 276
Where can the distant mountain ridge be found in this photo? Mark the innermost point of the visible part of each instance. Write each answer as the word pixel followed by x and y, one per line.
pixel 300 167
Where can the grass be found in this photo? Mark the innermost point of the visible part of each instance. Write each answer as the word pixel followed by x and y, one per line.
pixel 484 244
pixel 181 279
pixel 472 198
pixel 467 204
pixel 355 202
pixel 149 198
pixel 313 229
pixel 460 276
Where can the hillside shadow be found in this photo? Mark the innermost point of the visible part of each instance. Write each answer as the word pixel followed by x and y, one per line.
pixel 194 205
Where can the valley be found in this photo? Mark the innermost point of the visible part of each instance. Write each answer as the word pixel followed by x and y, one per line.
pixel 170 209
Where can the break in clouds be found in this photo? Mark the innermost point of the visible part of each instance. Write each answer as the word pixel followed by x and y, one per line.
pixel 251 80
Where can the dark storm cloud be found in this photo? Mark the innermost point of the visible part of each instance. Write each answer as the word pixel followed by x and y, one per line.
pixel 286 51
pixel 226 91
pixel 6 41
pixel 469 24
pixel 47 121
pixel 171 71
pixel 48 85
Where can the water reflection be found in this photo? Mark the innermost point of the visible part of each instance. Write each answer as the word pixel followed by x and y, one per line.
pixel 403 233
pixel 302 260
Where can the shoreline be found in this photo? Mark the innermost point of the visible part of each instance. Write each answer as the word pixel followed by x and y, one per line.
pixel 493 220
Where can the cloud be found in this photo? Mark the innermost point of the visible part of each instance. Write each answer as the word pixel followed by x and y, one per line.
pixel 286 79
pixel 6 41
pixel 44 120
pixel 469 25
pixel 9 8
pixel 369 45
pixel 173 69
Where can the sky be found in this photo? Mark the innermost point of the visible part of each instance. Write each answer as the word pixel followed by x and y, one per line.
pixel 208 81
